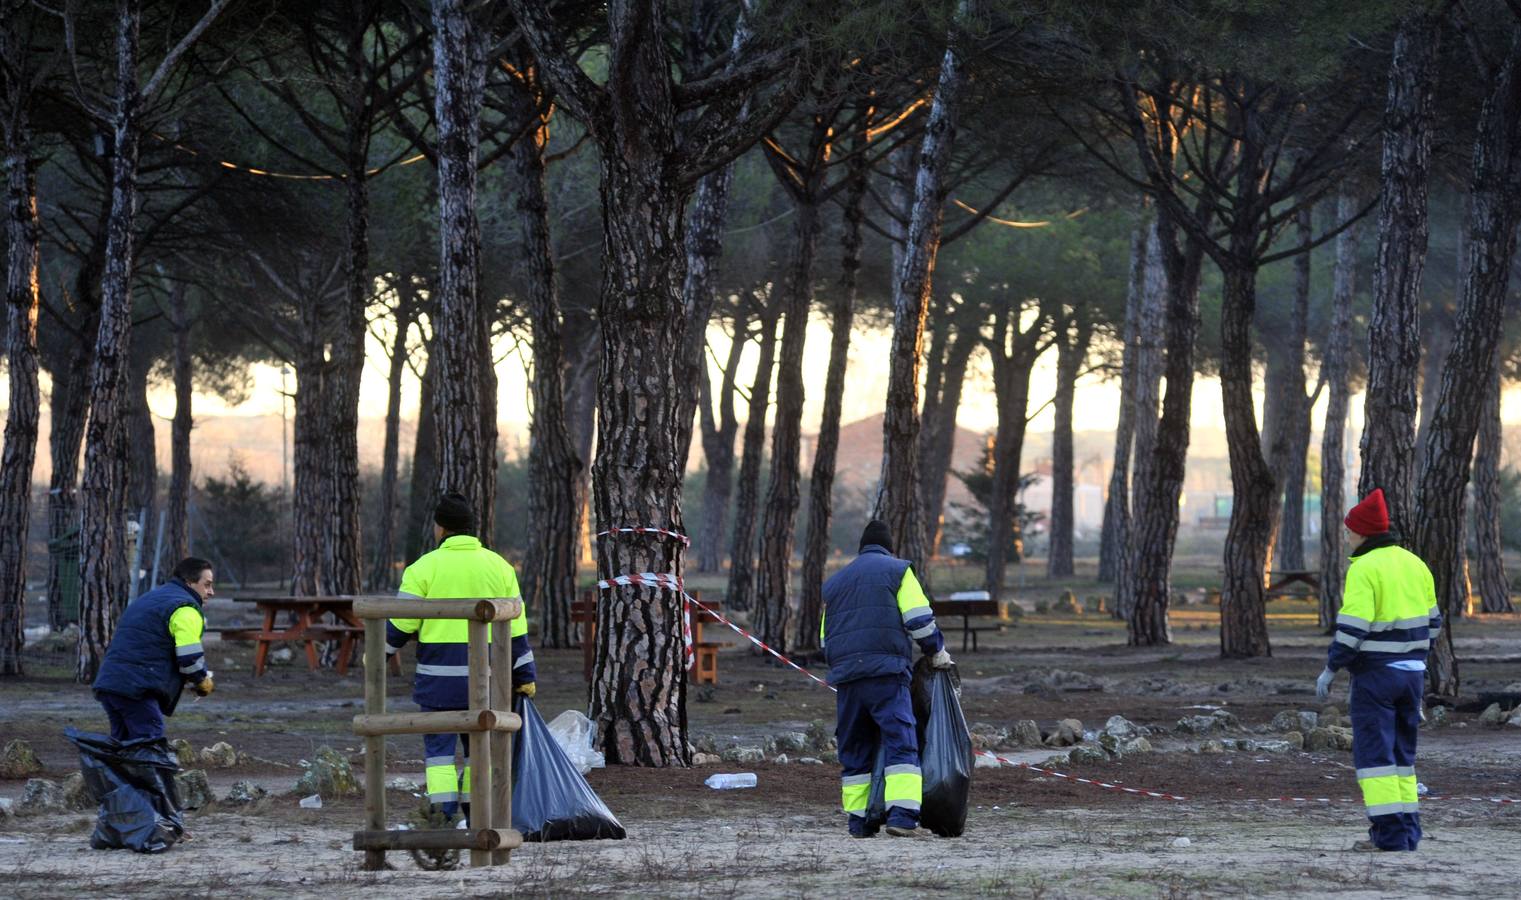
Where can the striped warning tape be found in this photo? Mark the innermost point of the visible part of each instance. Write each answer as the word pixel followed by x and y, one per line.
pixel 649 529
pixel 1161 795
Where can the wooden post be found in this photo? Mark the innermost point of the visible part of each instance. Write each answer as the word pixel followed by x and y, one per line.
pixel 481 742
pixel 375 745
pixel 501 743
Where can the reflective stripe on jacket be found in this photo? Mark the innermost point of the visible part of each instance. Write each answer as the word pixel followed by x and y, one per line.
pixel 874 609
pixel 459 569
pixel 1388 609
pixel 156 647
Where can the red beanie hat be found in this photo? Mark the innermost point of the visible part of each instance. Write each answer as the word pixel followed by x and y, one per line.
pixel 1369 517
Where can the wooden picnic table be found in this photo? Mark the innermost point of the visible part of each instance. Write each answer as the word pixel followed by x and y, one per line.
pixel 1279 580
pixel 305 626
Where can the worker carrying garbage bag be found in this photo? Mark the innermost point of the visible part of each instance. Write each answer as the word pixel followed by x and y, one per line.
pixel 874 612
pixel 459 569
pixel 1388 619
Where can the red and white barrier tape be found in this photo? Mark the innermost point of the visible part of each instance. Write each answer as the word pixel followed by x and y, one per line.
pixel 1100 784
pixel 649 529
pixel 755 640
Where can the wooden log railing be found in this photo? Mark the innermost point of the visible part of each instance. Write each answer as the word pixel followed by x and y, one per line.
pixel 490 838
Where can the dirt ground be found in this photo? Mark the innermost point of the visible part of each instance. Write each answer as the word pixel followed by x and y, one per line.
pixel 1028 835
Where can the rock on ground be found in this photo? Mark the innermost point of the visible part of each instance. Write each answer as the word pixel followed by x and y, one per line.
pixel 1121 728
pixel 1026 733
pixel 19 760
pixel 1329 738
pixel 243 792
pixel 194 789
pixel 705 759
pixel 76 795
pixel 328 776
pixel 1068 733
pixel 219 756
pixel 743 755
pixel 40 796
pixel 184 752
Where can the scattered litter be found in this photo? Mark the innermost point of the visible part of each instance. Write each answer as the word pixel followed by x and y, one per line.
pixel 573 732
pixel 727 782
pixel 1181 842
pixel 1421 789
pixel 312 802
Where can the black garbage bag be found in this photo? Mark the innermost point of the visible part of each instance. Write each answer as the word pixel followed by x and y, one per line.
pixel 550 799
pixel 133 781
pixel 945 755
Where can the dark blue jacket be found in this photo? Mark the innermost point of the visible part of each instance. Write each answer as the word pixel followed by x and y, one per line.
pixel 870 609
pixel 141 661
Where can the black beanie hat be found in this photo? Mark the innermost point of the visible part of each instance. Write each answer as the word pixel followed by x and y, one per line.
pixel 454 514
pixel 877 533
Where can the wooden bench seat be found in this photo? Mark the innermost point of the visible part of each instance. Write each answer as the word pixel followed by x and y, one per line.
pixel 973 606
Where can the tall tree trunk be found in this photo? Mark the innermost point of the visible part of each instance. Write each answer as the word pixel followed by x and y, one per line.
pixel 1491 582
pixel 179 432
pixel 309 471
pixel 552 462
pixel 1249 538
pixel 583 361
pixel 897 495
pixel 1288 450
pixel 102 558
pixel 21 304
pixel 1337 364
pixel 742 540
pixel 142 456
pixel 938 438
pixel 826 453
pixel 1071 351
pixel 718 452
pixel 1494 188
pixel 1117 500
pixel 778 525
pixel 383 569
pixel 1394 348
pixel 1149 358
pixel 1159 473
pixel 417 533
pixel 343 561
pixel 1436 336
pixel 1014 356
pixel 459 80
pixel 68 407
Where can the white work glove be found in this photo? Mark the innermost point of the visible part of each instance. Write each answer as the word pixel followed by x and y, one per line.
pixel 941 660
pixel 1323 684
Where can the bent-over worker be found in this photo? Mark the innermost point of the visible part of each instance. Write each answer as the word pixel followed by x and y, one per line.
pixel 1388 619
pixel 459 569
pixel 155 651
pixel 874 611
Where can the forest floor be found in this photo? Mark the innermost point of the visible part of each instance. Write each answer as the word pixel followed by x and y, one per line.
pixel 1027 834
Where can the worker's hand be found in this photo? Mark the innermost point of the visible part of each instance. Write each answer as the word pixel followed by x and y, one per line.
pixel 204 687
pixel 1323 684
pixel 527 689
pixel 941 660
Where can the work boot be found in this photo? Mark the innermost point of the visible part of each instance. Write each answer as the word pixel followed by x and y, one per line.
pixel 899 831
pixel 1366 847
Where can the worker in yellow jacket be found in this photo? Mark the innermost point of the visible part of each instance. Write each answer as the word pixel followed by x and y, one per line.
pixel 459 569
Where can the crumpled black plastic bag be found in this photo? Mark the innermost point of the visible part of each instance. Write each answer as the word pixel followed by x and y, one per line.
pixel 551 801
pixel 133 781
pixel 945 755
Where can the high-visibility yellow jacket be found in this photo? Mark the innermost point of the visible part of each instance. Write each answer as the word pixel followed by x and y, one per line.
pixel 459 569
pixel 1388 609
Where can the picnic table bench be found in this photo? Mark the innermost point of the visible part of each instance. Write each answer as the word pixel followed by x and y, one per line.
pixel 583 612
pixel 967 604
pixel 305 627
pixel 1279 581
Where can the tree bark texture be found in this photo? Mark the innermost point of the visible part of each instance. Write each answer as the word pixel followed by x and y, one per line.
pixel 21 304
pixel 309 474
pixel 1494 188
pixel 773 609
pixel 1336 364
pixel 1150 351
pixel 178 538
pixel 142 471
pixel 582 361
pixel 826 453
pixel 1490 581
pixel 459 79
pixel 897 494
pixel 417 533
pixel 1394 349
pixel 1014 353
pixel 718 434
pixel 937 437
pixel 102 558
pixel 1117 500
pixel 740 593
pixel 1159 473
pixel 1249 537
pixel 1071 351
pixel 553 466
pixel 69 406
pixel 1287 440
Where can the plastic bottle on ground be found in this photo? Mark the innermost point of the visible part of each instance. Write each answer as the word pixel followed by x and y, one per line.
pixel 725 782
